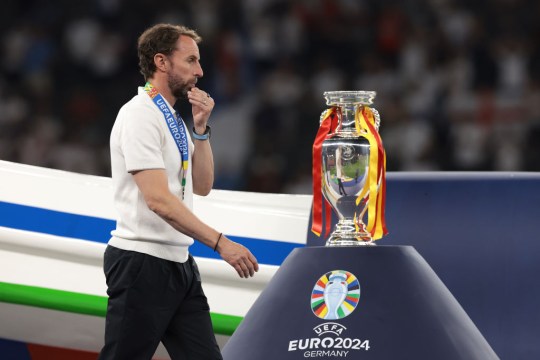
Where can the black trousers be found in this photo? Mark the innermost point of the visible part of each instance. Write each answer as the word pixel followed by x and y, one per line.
pixel 153 300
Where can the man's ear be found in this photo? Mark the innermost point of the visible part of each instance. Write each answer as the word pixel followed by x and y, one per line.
pixel 160 61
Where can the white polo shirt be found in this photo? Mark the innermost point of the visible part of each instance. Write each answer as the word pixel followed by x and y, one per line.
pixel 140 140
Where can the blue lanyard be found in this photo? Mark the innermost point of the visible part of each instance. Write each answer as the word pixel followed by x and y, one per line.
pixel 178 132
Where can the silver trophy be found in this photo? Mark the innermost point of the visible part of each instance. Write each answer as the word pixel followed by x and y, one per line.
pixel 345 168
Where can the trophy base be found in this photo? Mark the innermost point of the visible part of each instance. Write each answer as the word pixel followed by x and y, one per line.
pixel 347 233
pixel 348 242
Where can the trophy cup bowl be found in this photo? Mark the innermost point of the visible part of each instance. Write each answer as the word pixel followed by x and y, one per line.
pixel 345 168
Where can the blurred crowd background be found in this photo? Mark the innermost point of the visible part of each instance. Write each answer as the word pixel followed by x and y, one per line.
pixel 457 81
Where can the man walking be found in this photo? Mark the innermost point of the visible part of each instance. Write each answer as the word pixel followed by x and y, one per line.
pixel 154 285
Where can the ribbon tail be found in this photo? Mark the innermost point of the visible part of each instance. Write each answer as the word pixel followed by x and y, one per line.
pixel 317 208
pixel 328 219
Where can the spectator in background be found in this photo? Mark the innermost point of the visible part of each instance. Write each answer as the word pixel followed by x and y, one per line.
pixel 452 76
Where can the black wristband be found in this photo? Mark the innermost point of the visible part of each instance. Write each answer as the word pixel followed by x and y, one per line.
pixel 219 238
pixel 205 136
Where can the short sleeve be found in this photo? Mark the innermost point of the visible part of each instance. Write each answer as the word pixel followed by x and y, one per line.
pixel 142 139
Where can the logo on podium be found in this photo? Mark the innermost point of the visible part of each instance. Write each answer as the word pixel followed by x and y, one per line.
pixel 335 295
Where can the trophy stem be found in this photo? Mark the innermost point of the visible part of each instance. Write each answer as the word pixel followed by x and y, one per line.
pixel 346 234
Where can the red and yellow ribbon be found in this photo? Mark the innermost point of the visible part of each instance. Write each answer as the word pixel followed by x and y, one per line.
pixel 374 190
pixel 328 126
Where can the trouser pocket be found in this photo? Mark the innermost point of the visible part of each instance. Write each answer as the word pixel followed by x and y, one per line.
pixel 122 268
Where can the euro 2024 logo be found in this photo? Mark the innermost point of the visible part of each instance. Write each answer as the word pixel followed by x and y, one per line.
pixel 335 296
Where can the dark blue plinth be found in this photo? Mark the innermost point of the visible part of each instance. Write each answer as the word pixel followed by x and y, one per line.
pixel 403 311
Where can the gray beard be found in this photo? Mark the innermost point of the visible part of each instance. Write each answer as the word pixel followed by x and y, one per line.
pixel 179 89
